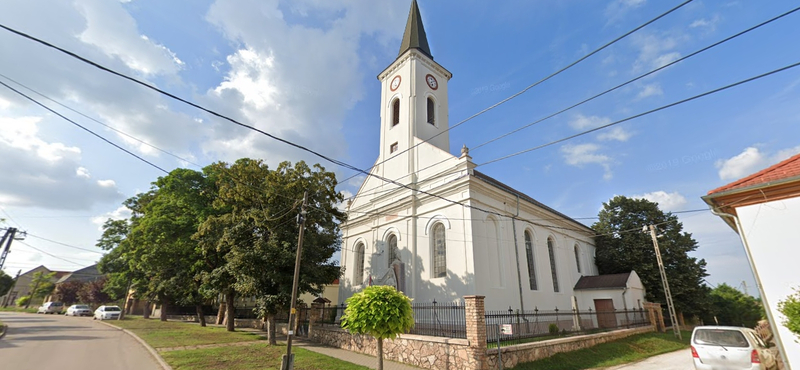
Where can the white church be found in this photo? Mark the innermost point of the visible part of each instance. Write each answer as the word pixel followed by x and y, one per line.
pixel 449 230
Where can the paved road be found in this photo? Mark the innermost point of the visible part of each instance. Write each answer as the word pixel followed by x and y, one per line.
pixel 678 360
pixel 38 342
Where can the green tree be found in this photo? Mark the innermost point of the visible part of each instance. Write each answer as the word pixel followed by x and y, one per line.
pixel 790 308
pixel 622 247
pixel 379 311
pixel 42 284
pixel 6 282
pixel 257 232
pixel 732 307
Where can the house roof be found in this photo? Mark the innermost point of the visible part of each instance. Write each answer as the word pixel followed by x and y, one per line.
pixel 786 170
pixel 89 273
pixel 612 281
pixel 496 183
pixel 414 37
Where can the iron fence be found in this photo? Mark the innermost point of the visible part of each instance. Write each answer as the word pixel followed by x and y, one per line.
pixel 435 318
pixel 536 325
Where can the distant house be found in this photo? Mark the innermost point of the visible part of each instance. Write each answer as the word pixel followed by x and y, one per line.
pixel 764 209
pixel 22 287
pixel 329 295
pixel 609 292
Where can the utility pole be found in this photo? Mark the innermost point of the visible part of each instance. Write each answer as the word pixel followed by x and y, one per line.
pixel 7 239
pixel 287 362
pixel 671 307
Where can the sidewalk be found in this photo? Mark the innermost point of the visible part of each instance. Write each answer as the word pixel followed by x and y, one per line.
pixel 344 355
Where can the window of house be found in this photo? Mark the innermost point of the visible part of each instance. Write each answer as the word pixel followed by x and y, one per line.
pixel 431 111
pixel 439 251
pixel 578 257
pixel 393 148
pixel 552 252
pixel 358 277
pixel 395 112
pixel 392 246
pixel 531 265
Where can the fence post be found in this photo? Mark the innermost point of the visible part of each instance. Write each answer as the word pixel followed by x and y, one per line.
pixel 314 314
pixel 475 313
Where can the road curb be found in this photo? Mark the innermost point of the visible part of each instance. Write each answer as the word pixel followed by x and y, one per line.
pixel 150 349
pixel 3 330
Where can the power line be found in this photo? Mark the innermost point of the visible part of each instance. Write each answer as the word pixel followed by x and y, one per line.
pixel 641 114
pixel 82 127
pixel 10 218
pixel 534 84
pixel 64 244
pixel 603 93
pixel 99 122
pixel 50 254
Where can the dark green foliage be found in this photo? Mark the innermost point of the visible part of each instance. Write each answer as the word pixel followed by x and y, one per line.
pixel 5 283
pixel 790 307
pixel 42 284
pixel 552 329
pixel 732 307
pixel 622 247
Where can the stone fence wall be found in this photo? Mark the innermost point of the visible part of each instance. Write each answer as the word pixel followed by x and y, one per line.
pixel 439 353
pixel 526 352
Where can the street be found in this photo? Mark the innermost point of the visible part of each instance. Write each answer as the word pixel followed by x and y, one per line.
pixel 678 360
pixel 68 343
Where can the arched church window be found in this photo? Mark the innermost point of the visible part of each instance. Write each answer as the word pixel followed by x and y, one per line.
pixel 431 111
pixel 552 252
pixel 358 277
pixel 395 112
pixel 391 245
pixel 578 257
pixel 439 251
pixel 531 264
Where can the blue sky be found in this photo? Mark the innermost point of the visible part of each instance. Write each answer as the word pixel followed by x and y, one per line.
pixel 305 70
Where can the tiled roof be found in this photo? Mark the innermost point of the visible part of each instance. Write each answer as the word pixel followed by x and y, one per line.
pixel 787 169
pixel 603 281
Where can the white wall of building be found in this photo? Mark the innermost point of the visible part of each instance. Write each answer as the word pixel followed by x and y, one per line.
pixel 771 230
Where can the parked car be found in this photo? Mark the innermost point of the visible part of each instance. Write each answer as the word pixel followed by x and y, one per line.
pixel 78 310
pixel 107 312
pixel 730 347
pixel 51 307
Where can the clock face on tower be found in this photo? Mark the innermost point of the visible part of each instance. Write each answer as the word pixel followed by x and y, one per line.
pixel 395 83
pixel 432 83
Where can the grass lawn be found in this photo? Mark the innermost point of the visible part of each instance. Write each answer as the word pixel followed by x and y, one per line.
pixel 18 309
pixel 256 356
pixel 623 351
pixel 175 334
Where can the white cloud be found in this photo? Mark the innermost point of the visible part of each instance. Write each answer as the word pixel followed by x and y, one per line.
pixel 582 154
pixel 106 183
pixel 652 89
pixel 655 50
pixel 666 201
pixel 45 174
pixel 749 161
pixel 617 133
pixel 581 122
pixel 705 23
pixel 120 213
pixel 617 9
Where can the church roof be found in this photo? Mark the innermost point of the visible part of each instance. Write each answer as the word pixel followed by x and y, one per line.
pixel 613 281
pixel 414 37
pixel 496 183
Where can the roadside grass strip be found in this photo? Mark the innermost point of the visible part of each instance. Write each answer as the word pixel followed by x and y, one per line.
pixel 18 309
pixel 256 356
pixel 169 334
pixel 626 350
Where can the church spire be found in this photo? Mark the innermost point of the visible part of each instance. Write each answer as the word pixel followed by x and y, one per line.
pixel 414 36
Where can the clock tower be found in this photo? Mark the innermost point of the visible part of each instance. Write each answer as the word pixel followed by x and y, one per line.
pixel 413 104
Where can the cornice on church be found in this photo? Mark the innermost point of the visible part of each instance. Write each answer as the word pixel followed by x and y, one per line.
pixel 413 54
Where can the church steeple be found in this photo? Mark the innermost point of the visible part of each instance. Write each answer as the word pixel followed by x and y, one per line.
pixel 414 37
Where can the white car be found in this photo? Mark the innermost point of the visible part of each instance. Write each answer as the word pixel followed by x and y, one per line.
pixel 107 313
pixel 78 310
pixel 51 307
pixel 730 347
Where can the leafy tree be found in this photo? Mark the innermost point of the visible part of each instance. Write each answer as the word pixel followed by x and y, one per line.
pixel 790 308
pixel 23 301
pixel 732 307
pixel 42 284
pixel 256 229
pixel 6 282
pixel 622 247
pixel 92 292
pixel 67 292
pixel 379 311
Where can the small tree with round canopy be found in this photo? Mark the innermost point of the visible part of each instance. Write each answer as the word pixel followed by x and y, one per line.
pixel 380 311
